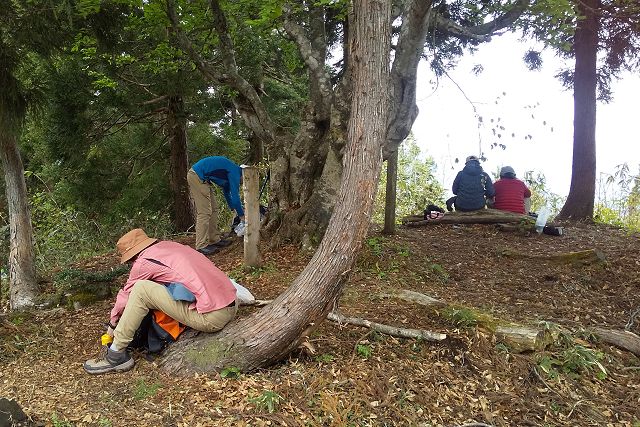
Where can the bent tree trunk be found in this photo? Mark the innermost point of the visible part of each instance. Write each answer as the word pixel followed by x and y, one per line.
pixel 580 201
pixel 179 164
pixel 272 333
pixel 22 270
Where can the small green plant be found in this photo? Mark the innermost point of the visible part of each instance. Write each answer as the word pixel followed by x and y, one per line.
pixel 142 390
pixel 230 372
pixel 268 401
pixel 439 271
pixel 364 350
pixel 259 271
pixel 502 348
pixel 461 317
pixel 573 361
pixel 325 358
pixel 105 422
pixel 59 422
pixel 375 245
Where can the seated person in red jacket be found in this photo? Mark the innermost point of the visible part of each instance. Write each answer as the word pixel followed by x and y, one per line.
pixel 512 195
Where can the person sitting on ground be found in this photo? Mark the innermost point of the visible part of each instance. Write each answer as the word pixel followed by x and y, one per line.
pixel 165 276
pixel 512 194
pixel 472 186
pixel 225 174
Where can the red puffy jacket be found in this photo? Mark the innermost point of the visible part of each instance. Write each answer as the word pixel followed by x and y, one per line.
pixel 510 195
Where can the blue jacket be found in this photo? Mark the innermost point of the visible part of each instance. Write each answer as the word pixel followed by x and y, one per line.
pixel 471 186
pixel 224 173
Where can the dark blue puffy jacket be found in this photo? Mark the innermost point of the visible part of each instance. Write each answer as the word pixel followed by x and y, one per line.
pixel 471 186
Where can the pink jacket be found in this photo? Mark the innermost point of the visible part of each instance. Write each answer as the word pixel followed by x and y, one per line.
pixel 167 262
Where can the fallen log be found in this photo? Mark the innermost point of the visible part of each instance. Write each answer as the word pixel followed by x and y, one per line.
pixel 588 256
pixel 625 340
pixel 521 338
pixel 484 216
pixel 386 329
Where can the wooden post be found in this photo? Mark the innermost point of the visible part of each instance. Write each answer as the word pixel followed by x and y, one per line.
pixel 250 185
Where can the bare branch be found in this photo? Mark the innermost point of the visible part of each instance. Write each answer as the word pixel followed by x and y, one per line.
pixel 313 54
pixel 483 32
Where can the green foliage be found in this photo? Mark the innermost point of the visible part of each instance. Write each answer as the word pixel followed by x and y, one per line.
pixel 375 245
pixel 230 372
pixel 364 350
pixel 461 317
pixel 618 199
pixel 569 358
pixel 541 196
pixel 574 361
pixel 142 390
pixel 59 422
pixel 325 358
pixel 416 185
pixel 268 400
pixel 439 271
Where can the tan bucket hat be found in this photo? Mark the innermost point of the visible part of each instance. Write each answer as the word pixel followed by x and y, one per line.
pixel 132 243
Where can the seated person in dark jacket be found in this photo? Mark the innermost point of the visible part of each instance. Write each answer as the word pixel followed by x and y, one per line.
pixel 471 186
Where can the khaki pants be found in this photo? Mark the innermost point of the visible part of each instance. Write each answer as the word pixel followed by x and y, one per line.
pixel 207 231
pixel 147 295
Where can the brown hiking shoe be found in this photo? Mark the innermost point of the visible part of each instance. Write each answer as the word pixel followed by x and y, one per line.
pixel 113 361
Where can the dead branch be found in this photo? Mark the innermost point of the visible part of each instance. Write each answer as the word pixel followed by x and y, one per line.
pixel 386 329
pixel 418 298
pixel 625 340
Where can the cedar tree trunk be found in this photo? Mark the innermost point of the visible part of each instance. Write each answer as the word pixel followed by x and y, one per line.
pixel 22 270
pixel 179 164
pixel 273 332
pixel 580 201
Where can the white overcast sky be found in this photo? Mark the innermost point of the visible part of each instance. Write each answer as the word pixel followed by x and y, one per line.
pixel 534 103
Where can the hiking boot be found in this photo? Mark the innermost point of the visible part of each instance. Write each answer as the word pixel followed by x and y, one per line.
pixel 113 361
pixel 209 250
pixel 221 243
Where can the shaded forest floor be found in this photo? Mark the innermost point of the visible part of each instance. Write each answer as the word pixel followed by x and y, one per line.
pixel 350 376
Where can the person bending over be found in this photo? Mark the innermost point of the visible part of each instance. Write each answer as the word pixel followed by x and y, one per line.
pixel 165 276
pixel 203 174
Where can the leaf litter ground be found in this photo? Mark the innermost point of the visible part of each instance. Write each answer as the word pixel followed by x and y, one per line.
pixel 347 375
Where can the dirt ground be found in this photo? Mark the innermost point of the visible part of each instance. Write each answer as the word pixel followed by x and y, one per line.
pixel 349 376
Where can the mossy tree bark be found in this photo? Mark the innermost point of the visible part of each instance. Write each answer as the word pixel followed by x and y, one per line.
pixel 272 333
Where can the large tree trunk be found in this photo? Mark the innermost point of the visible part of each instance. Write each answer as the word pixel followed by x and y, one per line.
pixel 390 194
pixel 179 164
pixel 273 332
pixel 22 270
pixel 580 201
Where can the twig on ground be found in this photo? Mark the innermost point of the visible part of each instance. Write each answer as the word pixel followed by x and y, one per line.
pixel 386 329
pixel 475 425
